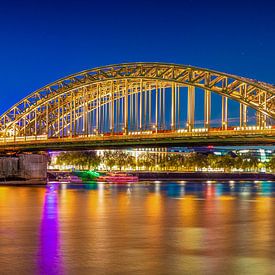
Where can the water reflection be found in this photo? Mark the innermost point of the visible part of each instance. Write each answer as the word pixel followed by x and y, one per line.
pixel 149 227
pixel 266 188
pixel 49 255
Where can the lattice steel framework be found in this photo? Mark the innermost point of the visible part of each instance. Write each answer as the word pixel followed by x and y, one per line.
pixel 126 98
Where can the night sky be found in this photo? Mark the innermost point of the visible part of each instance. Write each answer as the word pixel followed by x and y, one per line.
pixel 41 42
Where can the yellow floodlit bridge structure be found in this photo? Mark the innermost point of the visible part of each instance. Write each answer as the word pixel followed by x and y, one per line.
pixel 141 104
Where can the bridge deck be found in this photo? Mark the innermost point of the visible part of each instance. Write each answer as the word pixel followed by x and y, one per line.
pixel 230 137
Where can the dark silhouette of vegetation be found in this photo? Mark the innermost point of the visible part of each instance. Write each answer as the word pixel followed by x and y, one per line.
pixel 118 158
pixel 80 159
pixel 271 164
pixel 122 160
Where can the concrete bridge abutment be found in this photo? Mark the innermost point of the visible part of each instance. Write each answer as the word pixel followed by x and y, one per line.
pixel 24 167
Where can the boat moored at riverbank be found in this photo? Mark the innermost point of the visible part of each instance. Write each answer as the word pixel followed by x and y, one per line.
pixel 118 178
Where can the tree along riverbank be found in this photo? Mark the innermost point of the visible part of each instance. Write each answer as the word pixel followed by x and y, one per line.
pixel 152 161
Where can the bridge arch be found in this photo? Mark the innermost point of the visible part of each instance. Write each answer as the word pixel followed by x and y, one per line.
pixel 129 98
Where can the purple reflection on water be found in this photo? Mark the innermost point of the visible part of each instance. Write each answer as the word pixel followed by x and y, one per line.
pixel 49 258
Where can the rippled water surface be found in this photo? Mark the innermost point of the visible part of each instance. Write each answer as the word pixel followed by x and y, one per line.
pixel 144 228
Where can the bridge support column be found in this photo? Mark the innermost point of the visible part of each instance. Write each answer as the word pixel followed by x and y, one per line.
pixel 150 107
pixel 97 109
pixel 126 108
pixel 157 107
pixel 131 97
pixel 47 122
pixel 261 120
pixel 146 107
pixel 85 113
pixel 112 108
pixel 190 108
pixel 70 130
pixel 173 108
pixel 118 111
pixel 58 117
pixel 35 123
pixel 243 115
pixel 207 109
pixel 74 115
pixel 163 100
pixel 136 109
pixel 140 105
pixel 178 106
pixel 224 113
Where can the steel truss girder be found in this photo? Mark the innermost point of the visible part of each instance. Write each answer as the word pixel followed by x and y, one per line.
pixel 258 95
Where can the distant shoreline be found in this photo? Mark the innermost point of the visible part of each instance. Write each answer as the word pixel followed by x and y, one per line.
pixel 166 176
pixel 22 182
pixel 202 176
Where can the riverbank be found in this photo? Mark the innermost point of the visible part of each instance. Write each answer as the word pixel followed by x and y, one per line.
pixel 165 176
pixel 20 182
pixel 194 176
pixel 197 176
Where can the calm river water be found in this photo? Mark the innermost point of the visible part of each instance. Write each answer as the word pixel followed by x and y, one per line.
pixel 145 228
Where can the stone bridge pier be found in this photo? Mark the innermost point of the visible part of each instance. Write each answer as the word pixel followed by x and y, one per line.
pixel 24 167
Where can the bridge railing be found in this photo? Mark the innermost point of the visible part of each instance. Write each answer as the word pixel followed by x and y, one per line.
pixel 200 132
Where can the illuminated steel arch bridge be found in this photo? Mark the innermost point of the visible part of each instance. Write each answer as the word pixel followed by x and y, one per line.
pixel 141 104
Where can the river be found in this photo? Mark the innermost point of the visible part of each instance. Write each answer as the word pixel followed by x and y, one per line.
pixel 143 228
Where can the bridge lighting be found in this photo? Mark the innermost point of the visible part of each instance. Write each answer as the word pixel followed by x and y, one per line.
pixel 251 128
pixel 182 131
pixel 106 104
pixel 200 130
pixel 141 133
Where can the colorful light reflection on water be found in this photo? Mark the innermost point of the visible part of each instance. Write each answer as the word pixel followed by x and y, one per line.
pixel 49 255
pixel 151 227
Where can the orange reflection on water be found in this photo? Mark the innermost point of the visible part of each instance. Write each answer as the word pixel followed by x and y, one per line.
pixel 262 229
pixel 95 229
pixel 153 206
pixel 188 209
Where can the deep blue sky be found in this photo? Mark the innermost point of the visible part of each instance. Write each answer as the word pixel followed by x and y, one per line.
pixel 43 41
